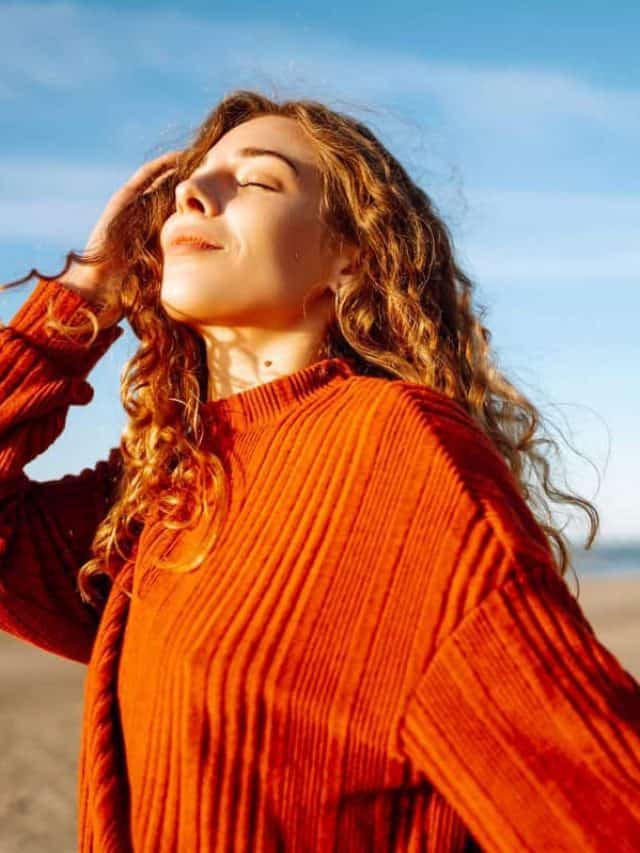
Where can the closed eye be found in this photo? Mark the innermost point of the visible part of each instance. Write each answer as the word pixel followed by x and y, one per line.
pixel 254 184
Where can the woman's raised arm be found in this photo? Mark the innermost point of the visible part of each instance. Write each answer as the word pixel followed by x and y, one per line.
pixel 46 528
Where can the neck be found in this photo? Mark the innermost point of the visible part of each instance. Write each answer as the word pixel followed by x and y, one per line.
pixel 243 357
pixel 272 401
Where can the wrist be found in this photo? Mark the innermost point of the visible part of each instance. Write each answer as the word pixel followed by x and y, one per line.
pixel 108 315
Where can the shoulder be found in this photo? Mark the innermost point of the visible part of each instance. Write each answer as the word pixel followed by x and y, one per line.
pixel 420 423
pixel 431 414
pixel 423 415
pixel 436 445
pixel 396 398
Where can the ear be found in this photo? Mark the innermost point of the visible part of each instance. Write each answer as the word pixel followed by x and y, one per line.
pixel 345 266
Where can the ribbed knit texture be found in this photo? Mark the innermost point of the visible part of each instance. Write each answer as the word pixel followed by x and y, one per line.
pixel 376 655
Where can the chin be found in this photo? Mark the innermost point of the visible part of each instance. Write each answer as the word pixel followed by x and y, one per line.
pixel 174 313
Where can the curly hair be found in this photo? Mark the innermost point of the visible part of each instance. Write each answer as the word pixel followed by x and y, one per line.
pixel 408 315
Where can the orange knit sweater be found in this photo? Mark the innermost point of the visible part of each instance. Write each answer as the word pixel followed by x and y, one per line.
pixel 376 655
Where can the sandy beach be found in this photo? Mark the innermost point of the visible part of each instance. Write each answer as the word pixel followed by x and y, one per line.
pixel 41 712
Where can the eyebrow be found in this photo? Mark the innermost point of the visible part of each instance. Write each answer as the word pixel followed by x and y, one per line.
pixel 252 151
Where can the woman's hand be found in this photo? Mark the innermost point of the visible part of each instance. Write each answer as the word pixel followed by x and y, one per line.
pixel 98 283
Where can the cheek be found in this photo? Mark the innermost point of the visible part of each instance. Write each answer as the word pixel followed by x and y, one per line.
pixel 293 240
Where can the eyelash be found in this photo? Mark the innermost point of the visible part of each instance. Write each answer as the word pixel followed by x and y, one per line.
pixel 254 184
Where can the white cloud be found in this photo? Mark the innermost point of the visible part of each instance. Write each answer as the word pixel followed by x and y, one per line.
pixel 529 237
pixel 53 201
pixel 53 46
pixel 67 46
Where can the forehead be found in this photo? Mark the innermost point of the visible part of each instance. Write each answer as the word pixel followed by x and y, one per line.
pixel 274 132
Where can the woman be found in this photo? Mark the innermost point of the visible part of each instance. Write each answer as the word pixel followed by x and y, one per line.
pixel 346 628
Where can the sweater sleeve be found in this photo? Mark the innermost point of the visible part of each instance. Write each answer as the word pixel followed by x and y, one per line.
pixel 46 528
pixel 515 712
pixel 529 726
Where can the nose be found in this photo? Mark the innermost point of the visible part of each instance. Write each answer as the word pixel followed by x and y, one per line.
pixel 191 196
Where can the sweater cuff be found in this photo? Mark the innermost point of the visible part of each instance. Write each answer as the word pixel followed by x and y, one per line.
pixel 69 356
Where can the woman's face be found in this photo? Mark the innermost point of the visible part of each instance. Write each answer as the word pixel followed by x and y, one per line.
pixel 273 245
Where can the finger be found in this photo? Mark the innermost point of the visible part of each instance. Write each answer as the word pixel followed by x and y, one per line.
pixel 140 178
pixel 158 181
pixel 169 155
pixel 147 169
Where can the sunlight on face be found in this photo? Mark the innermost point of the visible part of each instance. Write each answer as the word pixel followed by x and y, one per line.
pixel 264 216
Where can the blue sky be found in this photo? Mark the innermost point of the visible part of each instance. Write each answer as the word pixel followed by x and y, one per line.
pixel 521 122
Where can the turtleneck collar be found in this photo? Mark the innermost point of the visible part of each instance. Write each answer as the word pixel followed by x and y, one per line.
pixel 266 402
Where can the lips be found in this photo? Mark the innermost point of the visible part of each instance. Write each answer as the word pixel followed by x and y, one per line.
pixel 197 242
pixel 189 235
